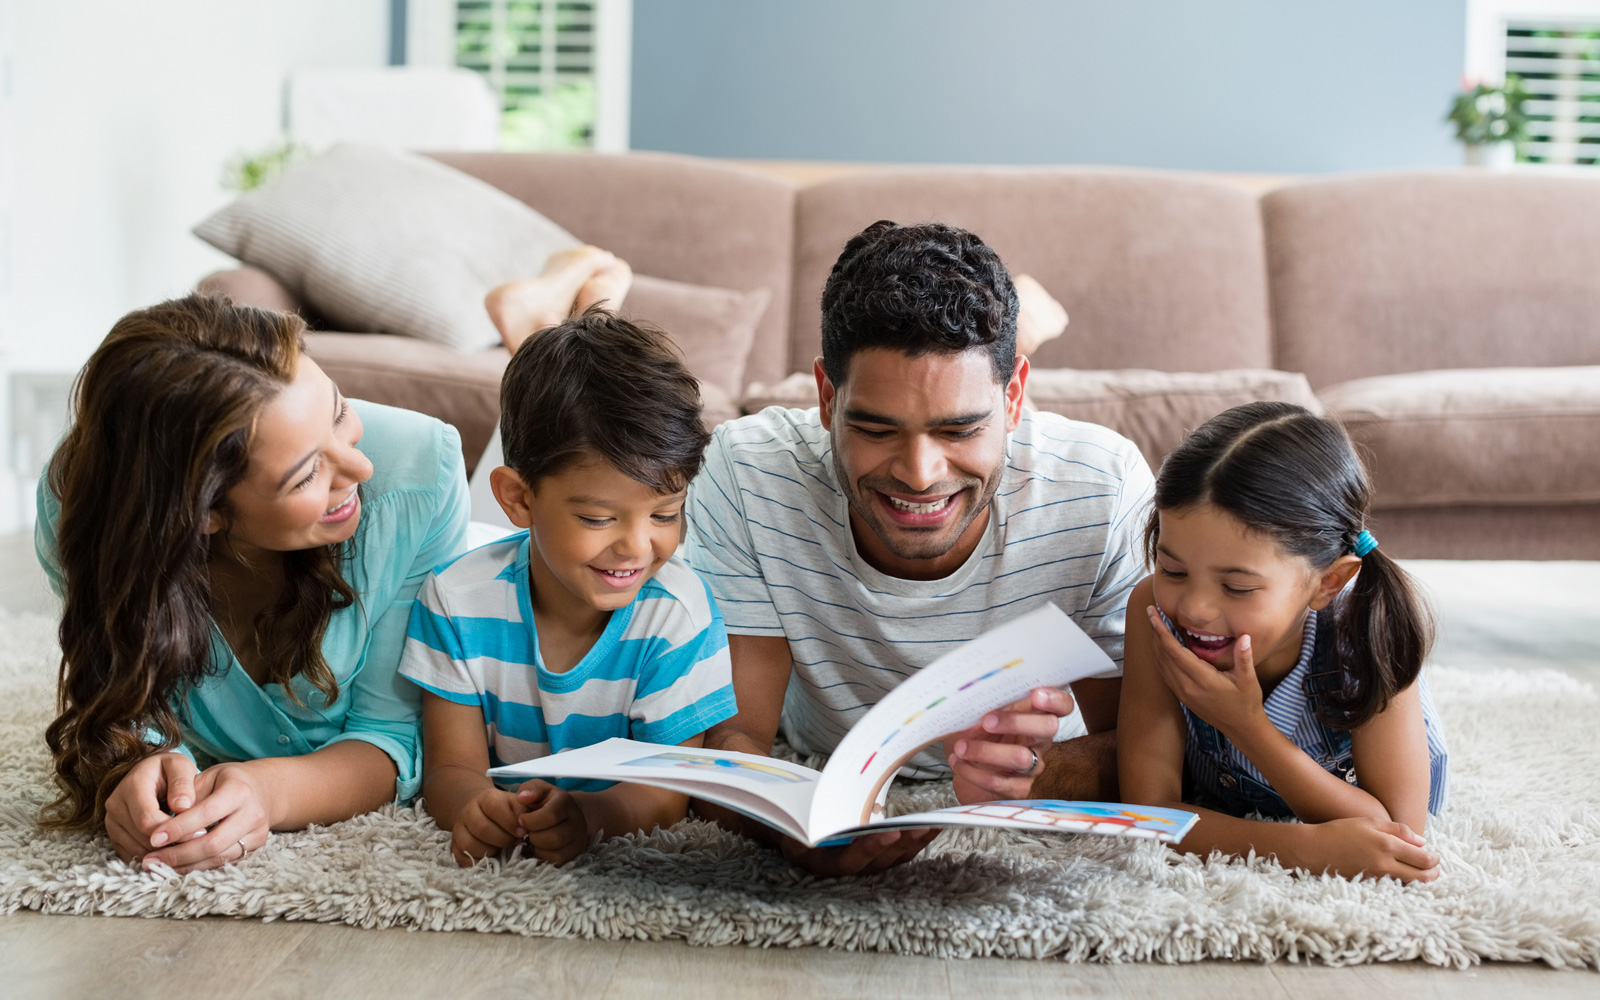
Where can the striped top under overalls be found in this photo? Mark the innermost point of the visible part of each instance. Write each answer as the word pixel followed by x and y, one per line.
pixel 1216 773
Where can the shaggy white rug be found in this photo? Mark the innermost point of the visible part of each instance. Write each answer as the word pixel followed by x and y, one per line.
pixel 1521 878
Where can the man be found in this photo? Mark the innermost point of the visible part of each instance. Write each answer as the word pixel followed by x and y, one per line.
pixel 919 505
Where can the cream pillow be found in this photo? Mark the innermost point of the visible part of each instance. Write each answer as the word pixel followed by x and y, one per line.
pixel 378 240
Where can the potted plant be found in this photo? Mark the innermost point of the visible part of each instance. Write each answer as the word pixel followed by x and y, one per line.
pixel 1490 121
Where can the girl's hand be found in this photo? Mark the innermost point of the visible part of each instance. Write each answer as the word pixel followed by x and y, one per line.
pixel 557 829
pixel 1372 847
pixel 1228 699
pixel 134 809
pixel 1000 757
pixel 489 824
pixel 231 818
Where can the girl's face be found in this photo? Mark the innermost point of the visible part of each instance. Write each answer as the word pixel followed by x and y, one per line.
pixel 299 491
pixel 1217 580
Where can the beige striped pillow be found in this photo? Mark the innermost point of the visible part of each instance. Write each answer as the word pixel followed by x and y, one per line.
pixel 378 240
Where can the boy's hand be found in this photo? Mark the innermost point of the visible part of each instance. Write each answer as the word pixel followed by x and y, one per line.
pixel 488 824
pixel 1371 847
pixel 557 829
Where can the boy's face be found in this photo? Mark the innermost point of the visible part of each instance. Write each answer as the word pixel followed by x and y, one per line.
pixel 596 535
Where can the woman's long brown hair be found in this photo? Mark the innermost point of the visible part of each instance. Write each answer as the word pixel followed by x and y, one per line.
pixel 164 414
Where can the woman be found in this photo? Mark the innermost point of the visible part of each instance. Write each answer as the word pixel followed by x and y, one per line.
pixel 237 548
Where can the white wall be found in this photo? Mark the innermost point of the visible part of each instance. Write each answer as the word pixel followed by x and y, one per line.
pixel 121 117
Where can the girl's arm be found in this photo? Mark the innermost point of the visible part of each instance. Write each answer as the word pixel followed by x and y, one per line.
pixel 1391 757
pixel 1150 746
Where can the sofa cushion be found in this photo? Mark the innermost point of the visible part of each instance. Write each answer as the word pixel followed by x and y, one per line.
pixel 1155 268
pixel 714 327
pixel 385 241
pixel 1481 436
pixel 1153 409
pixel 1421 270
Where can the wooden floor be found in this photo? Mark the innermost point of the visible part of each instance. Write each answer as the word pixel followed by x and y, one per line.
pixel 128 959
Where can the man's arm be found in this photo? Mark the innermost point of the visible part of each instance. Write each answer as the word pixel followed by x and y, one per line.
pixel 1086 767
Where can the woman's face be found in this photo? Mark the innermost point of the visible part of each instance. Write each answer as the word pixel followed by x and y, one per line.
pixel 299 491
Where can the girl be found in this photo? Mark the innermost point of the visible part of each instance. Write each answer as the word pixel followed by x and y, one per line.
pixel 1256 680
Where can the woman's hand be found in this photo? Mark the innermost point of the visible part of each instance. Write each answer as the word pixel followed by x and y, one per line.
pixel 999 757
pixel 1228 699
pixel 1370 847
pixel 231 817
pixel 138 806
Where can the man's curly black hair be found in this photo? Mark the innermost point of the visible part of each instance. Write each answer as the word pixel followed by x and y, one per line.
pixel 918 289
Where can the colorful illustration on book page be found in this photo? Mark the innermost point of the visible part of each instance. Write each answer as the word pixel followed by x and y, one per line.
pixel 1077 817
pixel 705 762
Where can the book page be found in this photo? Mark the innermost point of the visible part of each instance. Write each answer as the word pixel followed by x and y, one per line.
pixel 1054 816
pixel 775 792
pixel 1042 648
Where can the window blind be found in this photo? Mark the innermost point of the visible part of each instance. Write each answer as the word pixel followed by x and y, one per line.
pixel 1559 64
pixel 539 56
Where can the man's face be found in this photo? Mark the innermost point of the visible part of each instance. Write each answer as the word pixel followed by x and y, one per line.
pixel 919 447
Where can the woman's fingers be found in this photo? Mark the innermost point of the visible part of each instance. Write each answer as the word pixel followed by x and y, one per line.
pixel 229 840
pixel 177 774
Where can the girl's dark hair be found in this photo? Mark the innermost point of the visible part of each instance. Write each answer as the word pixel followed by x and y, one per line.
pixel 1294 476
pixel 163 418
pixel 601 385
pixel 918 289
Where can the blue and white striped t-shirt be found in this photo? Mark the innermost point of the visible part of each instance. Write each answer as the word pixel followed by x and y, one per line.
pixel 769 529
pixel 659 672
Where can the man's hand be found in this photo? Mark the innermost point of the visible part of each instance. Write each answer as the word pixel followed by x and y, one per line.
pixel 557 829
pixel 490 822
pixel 1000 756
pixel 871 853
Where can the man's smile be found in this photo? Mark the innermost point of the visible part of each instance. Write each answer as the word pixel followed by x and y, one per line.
pixel 919 511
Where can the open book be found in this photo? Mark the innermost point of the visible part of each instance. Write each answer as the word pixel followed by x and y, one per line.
pixel 845 799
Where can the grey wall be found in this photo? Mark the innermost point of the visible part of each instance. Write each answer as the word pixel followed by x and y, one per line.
pixel 1243 85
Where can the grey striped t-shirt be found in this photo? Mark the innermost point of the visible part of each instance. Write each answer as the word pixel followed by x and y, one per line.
pixel 769 530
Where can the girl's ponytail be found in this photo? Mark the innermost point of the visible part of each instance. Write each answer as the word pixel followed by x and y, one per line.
pixel 1383 633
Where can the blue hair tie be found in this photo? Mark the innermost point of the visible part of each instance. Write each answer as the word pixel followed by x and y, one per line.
pixel 1365 543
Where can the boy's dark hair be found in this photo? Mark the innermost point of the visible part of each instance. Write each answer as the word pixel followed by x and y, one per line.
pixel 1294 476
pixel 600 385
pixel 918 289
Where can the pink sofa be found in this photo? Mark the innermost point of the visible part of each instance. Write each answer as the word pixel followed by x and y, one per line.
pixel 1452 320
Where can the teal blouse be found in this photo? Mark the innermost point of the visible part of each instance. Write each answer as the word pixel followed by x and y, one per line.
pixel 413 518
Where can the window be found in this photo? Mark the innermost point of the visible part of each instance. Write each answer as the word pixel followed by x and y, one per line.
pixel 1554 47
pixel 560 68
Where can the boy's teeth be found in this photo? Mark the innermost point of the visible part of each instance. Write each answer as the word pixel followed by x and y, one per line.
pixel 619 572
pixel 919 508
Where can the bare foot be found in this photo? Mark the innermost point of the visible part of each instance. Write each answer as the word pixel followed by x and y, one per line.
pixel 606 288
pixel 520 308
pixel 1040 317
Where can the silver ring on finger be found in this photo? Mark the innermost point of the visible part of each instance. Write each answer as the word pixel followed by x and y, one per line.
pixel 1032 767
pixel 244 852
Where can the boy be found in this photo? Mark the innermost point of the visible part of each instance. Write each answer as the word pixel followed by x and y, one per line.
pixel 585 625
